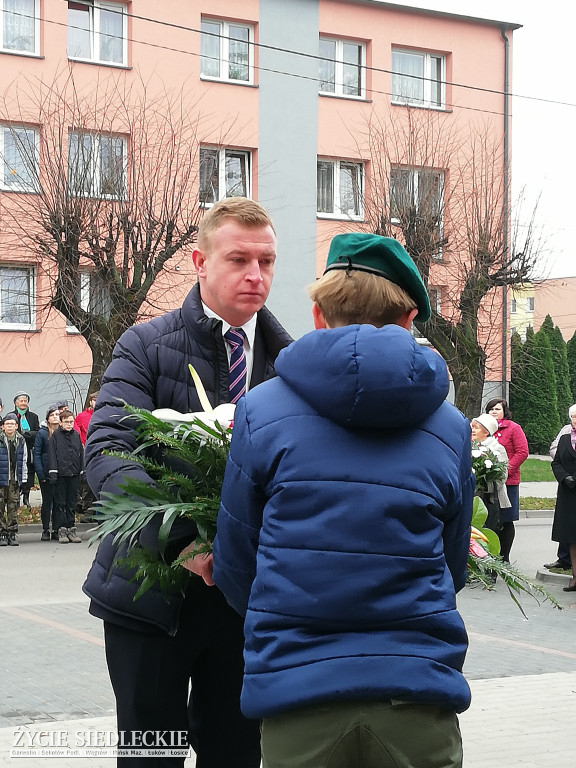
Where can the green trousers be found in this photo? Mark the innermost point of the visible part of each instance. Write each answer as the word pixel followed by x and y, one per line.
pixel 363 734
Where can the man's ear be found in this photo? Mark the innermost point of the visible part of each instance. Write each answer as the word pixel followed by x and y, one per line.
pixel 318 317
pixel 405 320
pixel 199 259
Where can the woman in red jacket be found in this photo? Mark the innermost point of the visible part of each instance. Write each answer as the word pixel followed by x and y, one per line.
pixel 512 437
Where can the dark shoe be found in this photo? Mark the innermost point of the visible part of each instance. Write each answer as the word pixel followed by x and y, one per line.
pixel 45 536
pixel 3 539
pixel 558 564
pixel 54 536
pixel 13 540
pixel 569 589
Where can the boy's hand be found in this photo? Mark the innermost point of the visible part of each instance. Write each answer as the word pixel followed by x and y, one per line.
pixel 201 565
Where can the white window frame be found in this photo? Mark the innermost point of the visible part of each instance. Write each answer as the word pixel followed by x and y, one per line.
pixel 223 154
pixel 18 326
pixel 17 185
pixel 95 8
pixel 221 40
pixel 86 289
pixel 338 88
pixel 92 174
pixel 529 303
pixel 513 306
pixel 429 81
pixel 336 167
pixel 416 174
pixel 5 7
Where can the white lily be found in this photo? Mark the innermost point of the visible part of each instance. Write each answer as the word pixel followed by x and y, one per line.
pixel 223 414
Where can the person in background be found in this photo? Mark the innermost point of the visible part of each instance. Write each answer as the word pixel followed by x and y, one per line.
pixel 510 435
pixel 81 422
pixel 13 474
pixel 65 464
pixel 564 469
pixel 47 429
pixel 562 561
pixel 28 426
pixel 483 428
pixel 344 529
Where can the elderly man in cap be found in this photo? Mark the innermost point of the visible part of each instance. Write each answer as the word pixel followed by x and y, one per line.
pixel 28 425
pixel 344 530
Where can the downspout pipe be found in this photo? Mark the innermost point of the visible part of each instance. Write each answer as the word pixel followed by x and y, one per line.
pixel 506 206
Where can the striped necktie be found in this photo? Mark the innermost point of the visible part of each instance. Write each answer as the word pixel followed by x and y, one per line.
pixel 235 337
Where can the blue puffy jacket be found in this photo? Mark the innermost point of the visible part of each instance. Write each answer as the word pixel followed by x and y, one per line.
pixel 41 453
pixel 149 370
pixel 344 527
pixel 21 459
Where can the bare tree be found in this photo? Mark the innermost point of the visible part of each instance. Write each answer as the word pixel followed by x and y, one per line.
pixel 113 172
pixel 442 192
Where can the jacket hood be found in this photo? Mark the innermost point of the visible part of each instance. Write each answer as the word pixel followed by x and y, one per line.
pixel 367 377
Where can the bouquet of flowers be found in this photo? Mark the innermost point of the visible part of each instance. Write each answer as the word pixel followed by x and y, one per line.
pixel 187 482
pixel 487 467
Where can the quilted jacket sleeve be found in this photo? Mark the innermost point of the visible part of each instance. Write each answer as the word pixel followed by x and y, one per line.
pixel 239 520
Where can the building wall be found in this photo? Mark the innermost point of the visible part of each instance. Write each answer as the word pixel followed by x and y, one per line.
pixel 556 297
pixel 280 118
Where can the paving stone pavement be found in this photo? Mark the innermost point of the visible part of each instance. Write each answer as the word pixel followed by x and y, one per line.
pixel 522 671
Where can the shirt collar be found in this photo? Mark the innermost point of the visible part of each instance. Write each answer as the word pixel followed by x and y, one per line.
pixel 249 327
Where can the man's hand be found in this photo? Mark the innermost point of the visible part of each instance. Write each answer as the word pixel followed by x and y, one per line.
pixel 569 482
pixel 201 565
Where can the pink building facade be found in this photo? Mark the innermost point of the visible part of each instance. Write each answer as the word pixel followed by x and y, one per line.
pixel 280 101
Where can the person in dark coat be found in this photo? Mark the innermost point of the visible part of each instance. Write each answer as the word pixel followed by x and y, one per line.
pixel 564 469
pixel 344 529
pixel 47 428
pixel 65 465
pixel 28 426
pixel 157 645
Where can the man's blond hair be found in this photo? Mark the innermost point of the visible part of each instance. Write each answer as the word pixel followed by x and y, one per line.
pixel 245 212
pixel 347 298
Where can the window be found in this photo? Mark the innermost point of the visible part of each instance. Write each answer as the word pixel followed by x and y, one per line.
pixel 513 307
pixel 435 299
pixel 223 173
pixel 341 67
pixel 227 51
pixel 94 297
pixel 18 158
pixel 20 25
pixel 417 202
pixel 339 189
pixel 530 304
pixel 17 310
pixel 97 32
pixel 418 79
pixel 97 165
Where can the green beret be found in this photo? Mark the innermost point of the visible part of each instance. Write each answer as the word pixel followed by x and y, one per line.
pixel 382 256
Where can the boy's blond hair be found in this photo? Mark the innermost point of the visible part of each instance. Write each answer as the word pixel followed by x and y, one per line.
pixel 347 298
pixel 245 212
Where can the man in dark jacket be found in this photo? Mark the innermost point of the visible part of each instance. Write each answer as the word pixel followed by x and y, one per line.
pixel 156 645
pixel 28 425
pixel 344 530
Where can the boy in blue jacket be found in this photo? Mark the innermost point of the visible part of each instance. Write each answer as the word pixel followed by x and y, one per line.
pixel 13 474
pixel 344 530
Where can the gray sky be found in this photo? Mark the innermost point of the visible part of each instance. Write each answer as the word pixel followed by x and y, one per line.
pixel 543 133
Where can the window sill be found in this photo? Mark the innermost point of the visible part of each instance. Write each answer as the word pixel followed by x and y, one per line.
pixel 18 191
pixel 430 108
pixel 27 54
pixel 95 63
pixel 338 217
pixel 224 81
pixel 18 328
pixel 329 95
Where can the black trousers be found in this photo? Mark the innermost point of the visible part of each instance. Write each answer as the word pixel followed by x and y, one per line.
pixel 65 495
pixel 151 675
pixel 46 512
